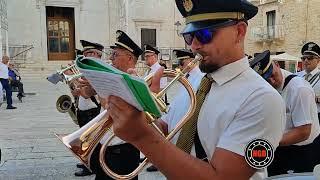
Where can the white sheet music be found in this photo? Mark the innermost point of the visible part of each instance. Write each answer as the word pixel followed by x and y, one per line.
pixel 107 84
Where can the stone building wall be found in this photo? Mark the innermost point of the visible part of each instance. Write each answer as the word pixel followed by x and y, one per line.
pixel 297 22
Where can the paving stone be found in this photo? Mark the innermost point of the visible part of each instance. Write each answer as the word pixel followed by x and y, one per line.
pixel 30 150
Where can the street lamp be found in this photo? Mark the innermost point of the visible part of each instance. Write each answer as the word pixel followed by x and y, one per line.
pixel 178 24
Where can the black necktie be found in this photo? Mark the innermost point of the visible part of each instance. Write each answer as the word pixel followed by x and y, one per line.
pixel 186 137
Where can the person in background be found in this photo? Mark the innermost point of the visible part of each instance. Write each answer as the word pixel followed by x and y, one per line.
pixel 4 79
pixel 121 156
pixel 302 125
pixel 311 73
pixel 15 79
pixel 151 58
pixel 88 107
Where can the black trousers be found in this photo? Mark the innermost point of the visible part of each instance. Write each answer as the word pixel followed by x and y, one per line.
pixel 86 116
pixel 296 158
pixel 315 151
pixel 6 86
pixel 16 83
pixel 122 159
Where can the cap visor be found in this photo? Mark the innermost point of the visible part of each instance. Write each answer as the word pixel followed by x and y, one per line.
pixel 310 53
pixel 196 26
pixel 268 73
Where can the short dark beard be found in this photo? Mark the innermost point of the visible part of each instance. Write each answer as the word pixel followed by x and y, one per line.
pixel 208 68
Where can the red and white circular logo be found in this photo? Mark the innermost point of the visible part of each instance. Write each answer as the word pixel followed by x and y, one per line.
pixel 259 153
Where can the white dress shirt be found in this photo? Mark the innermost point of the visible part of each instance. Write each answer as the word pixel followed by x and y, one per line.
pixel 241 106
pixel 301 108
pixel 181 103
pixel 153 69
pixel 86 104
pixel 314 79
pixel 4 72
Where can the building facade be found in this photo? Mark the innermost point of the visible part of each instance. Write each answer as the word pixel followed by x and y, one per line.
pixel 46 32
pixel 283 26
pixel 4 28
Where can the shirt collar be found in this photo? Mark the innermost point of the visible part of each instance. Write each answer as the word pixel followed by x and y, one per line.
pixel 230 71
pixel 195 70
pixel 285 74
pixel 315 71
pixel 155 66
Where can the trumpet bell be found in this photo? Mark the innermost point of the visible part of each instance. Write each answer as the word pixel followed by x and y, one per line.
pixel 83 141
pixel 76 148
pixel 64 103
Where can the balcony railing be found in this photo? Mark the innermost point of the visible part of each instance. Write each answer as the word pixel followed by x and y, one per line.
pixel 268 33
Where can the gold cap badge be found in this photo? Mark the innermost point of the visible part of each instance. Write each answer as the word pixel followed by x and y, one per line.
pixel 310 46
pixel 119 33
pixel 257 68
pixel 188 5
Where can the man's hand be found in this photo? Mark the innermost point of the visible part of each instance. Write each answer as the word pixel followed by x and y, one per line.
pixel 132 71
pixel 86 89
pixel 129 124
pixel 75 92
pixel 155 82
pixel 296 135
pixel 103 102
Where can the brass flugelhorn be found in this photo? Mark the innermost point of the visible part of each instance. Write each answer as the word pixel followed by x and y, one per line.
pixel 83 141
pixel 177 76
pixel 65 103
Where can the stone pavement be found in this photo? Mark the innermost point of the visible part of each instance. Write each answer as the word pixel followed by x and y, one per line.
pixel 30 151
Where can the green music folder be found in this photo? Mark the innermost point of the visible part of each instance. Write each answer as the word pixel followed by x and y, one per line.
pixel 107 80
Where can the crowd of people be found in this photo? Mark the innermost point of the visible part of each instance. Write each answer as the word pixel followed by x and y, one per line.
pixel 238 101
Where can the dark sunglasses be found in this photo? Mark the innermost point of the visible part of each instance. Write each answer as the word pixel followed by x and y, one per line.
pixel 204 36
pixel 309 58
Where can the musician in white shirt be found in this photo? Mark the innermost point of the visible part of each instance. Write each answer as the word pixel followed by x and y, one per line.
pixel 239 107
pixel 151 58
pixel 302 125
pixel 121 157
pixel 181 102
pixel 311 73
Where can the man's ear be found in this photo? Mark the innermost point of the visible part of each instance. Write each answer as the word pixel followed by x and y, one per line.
pixel 242 30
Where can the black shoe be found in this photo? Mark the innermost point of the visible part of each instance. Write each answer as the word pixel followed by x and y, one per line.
pixel 20 95
pixel 80 165
pixel 141 160
pixel 11 107
pixel 83 172
pixel 152 169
